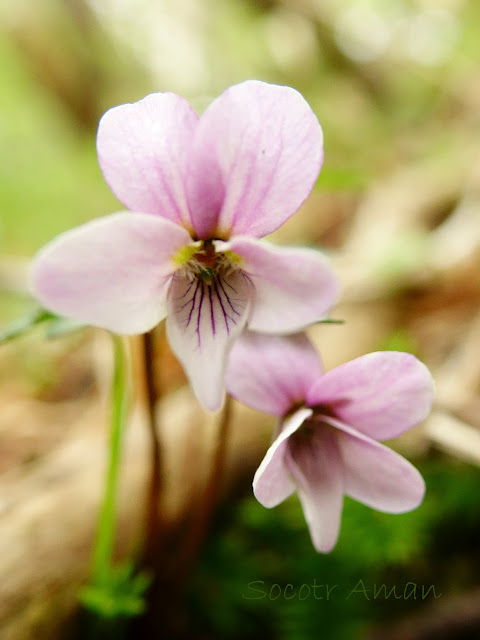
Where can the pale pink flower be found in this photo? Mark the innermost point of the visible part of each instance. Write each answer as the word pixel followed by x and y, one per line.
pixel 204 190
pixel 329 423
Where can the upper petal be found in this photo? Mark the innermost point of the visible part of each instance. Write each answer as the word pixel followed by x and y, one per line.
pixel 110 272
pixel 272 373
pixel 143 150
pixel 273 483
pixel 204 319
pixel 376 475
pixel 294 287
pixel 381 394
pixel 316 467
pixel 257 152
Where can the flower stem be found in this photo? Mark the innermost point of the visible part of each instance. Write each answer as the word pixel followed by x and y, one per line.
pixel 200 525
pixel 152 524
pixel 103 549
pixel 218 464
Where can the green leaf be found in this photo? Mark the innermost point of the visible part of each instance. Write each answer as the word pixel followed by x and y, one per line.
pixel 57 325
pixel 330 321
pixel 22 325
pixel 120 595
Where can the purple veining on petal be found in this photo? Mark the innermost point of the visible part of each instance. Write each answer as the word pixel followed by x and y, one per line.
pixel 187 291
pixel 192 300
pixel 199 316
pixel 226 315
pixel 212 315
pixel 226 296
pixel 226 304
pixel 204 320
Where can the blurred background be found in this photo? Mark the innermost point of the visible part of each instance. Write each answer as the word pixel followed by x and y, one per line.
pixel 396 87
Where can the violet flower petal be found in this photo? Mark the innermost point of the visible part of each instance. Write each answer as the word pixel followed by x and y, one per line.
pixel 203 321
pixel 294 287
pixel 256 155
pixel 272 373
pixel 376 475
pixel 143 150
pixel 381 394
pixel 110 272
pixel 316 468
pixel 273 483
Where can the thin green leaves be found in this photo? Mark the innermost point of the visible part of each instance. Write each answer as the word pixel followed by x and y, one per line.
pixel 56 325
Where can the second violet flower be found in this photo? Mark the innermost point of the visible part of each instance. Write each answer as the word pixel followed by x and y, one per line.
pixel 204 190
pixel 329 423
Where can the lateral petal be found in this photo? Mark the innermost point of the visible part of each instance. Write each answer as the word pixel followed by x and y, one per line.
pixel 382 394
pixel 110 272
pixel 294 287
pixel 204 319
pixel 273 482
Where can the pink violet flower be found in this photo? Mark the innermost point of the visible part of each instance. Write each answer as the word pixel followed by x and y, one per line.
pixel 204 190
pixel 329 423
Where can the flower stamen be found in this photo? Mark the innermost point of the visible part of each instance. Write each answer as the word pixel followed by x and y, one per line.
pixel 202 260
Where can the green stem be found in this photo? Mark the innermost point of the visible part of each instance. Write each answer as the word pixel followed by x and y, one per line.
pixel 103 550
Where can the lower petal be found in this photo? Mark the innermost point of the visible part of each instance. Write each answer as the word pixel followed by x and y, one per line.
pixel 273 483
pixel 294 287
pixel 316 467
pixel 110 272
pixel 204 319
pixel 376 475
